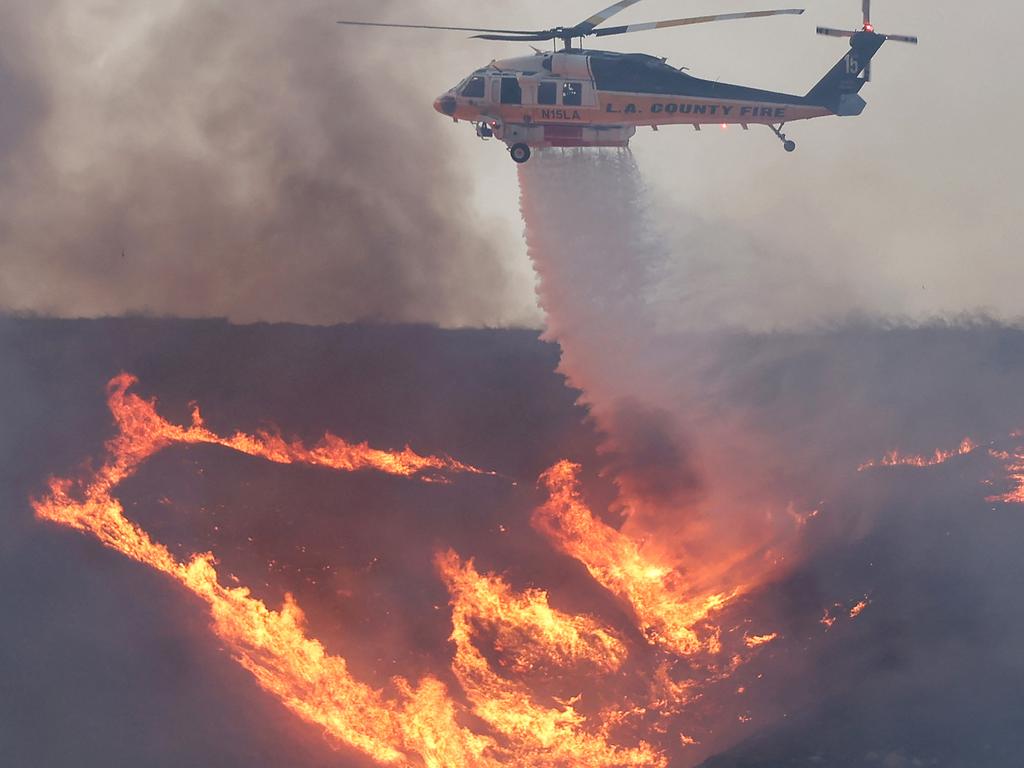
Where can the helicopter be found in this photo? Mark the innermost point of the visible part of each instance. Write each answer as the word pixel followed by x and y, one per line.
pixel 577 97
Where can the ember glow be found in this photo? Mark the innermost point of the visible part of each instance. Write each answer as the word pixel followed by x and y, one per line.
pixel 1014 463
pixel 525 668
pixel 859 607
pixel 755 641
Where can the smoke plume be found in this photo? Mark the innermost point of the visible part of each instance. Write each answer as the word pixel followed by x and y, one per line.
pixel 221 159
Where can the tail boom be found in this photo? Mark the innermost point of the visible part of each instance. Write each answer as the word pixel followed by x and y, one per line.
pixel 838 89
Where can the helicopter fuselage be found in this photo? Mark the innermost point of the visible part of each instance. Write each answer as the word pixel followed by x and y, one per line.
pixel 579 98
pixel 599 98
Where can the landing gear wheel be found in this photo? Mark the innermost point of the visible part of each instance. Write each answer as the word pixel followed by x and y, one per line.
pixel 520 153
pixel 787 144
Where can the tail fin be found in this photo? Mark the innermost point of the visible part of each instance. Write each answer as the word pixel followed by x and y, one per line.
pixel 838 89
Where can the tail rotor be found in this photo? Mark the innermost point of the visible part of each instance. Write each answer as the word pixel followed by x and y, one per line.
pixel 867 29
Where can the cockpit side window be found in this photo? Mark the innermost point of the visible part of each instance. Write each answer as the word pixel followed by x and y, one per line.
pixel 474 89
pixel 572 94
pixel 546 92
pixel 511 93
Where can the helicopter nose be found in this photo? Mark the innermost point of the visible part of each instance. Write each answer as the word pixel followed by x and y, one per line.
pixel 445 104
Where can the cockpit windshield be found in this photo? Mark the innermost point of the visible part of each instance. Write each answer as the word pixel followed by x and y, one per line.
pixel 474 88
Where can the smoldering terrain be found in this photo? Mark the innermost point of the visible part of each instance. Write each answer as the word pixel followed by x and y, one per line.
pixel 106 663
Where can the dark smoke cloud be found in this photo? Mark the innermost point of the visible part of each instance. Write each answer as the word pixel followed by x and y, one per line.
pixel 24 102
pixel 223 159
pixel 652 463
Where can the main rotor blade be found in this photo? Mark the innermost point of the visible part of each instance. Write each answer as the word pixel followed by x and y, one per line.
pixel 693 20
pixel 519 37
pixel 867 13
pixel 600 17
pixel 835 32
pixel 912 39
pixel 453 29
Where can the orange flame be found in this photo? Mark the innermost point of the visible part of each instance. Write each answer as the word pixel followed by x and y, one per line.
pixel 1014 463
pixel 272 645
pixel 543 735
pixel 858 609
pixel 274 648
pixel 528 630
pixel 1012 460
pixel 897 459
pixel 143 432
pixel 421 723
pixel 755 641
pixel 671 613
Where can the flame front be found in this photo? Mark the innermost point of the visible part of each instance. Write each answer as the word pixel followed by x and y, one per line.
pixel 527 629
pixel 143 432
pixel 1014 463
pixel 508 691
pixel 544 736
pixel 671 612
pixel 1012 460
pixel 897 459
pixel 272 645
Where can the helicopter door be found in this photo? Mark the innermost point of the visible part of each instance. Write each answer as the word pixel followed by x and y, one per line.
pixel 511 92
pixel 547 93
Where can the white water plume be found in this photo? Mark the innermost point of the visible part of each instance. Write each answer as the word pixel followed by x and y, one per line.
pixel 684 466
pixel 597 258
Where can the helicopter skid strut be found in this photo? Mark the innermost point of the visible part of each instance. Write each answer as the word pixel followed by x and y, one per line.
pixel 787 144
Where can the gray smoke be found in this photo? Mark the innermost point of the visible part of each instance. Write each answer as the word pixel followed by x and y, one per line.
pixel 221 158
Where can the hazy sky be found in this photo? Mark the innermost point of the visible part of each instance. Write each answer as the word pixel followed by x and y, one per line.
pixel 269 165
